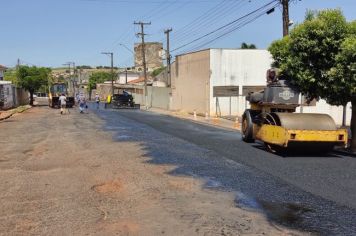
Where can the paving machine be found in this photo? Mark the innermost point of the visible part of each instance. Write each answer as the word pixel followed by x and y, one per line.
pixel 271 119
pixel 55 91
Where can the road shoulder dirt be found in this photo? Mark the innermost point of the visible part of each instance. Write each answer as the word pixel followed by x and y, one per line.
pixel 64 175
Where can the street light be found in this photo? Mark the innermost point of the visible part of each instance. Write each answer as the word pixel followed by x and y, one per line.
pixel 127 48
pixel 111 54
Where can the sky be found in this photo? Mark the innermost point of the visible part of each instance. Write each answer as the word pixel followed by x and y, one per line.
pixel 53 32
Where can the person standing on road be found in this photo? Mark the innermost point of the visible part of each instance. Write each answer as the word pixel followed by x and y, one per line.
pixel 77 98
pixel 82 103
pixel 97 100
pixel 62 103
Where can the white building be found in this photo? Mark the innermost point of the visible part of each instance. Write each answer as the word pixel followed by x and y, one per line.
pixel 216 81
pixel 126 77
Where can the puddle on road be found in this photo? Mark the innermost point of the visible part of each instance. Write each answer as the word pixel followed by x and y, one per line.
pixel 212 184
pixel 243 201
pixel 284 213
pixel 111 128
pixel 123 137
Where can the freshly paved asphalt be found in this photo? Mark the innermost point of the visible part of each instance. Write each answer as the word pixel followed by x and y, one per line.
pixel 312 193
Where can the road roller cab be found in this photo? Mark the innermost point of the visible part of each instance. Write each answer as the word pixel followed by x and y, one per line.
pixel 272 120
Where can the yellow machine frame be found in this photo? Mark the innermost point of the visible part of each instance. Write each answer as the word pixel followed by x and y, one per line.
pixel 282 137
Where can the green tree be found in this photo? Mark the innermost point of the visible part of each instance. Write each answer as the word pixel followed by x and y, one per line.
pixel 158 71
pixel 247 46
pixel 319 58
pixel 32 78
pixel 10 75
pixel 97 78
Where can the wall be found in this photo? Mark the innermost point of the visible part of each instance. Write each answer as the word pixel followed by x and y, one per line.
pixel 22 97
pixel 336 112
pixel 190 82
pixel 158 97
pixel 239 68
pixel 6 96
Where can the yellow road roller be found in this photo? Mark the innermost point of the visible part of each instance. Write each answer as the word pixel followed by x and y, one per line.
pixel 272 120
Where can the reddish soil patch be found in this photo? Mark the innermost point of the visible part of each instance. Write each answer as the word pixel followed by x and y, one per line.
pixel 181 184
pixel 109 187
pixel 25 225
pixel 122 227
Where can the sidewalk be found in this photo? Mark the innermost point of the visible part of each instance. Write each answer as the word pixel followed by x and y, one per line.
pixel 7 114
pixel 213 121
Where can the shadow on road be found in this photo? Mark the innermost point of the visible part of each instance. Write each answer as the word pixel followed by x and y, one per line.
pixel 282 203
pixel 298 153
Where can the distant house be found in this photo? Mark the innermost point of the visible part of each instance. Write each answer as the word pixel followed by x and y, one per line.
pixel 2 71
pixel 141 81
pixel 153 53
pixel 127 76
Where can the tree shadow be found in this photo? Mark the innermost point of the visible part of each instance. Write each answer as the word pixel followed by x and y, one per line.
pixel 282 203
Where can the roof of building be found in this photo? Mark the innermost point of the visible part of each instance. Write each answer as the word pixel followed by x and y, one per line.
pixel 3 67
pixel 140 79
pixel 2 82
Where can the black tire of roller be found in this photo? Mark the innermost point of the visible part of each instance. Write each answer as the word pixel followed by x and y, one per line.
pixel 247 132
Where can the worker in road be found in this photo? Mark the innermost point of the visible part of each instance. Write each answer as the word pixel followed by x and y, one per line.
pixel 97 100
pixel 62 103
pixel 82 103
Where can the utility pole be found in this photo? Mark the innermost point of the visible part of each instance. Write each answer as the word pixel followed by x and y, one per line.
pixel 112 70
pixel 126 75
pixel 344 115
pixel 74 78
pixel 142 34
pixel 18 64
pixel 168 56
pixel 69 67
pixel 285 4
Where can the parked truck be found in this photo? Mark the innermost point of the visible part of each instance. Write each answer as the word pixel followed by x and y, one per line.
pixel 55 91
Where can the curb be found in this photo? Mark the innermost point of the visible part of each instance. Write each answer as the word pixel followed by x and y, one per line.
pixel 16 111
pixel 210 124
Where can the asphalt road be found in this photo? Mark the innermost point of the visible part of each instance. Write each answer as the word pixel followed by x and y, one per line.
pixel 310 193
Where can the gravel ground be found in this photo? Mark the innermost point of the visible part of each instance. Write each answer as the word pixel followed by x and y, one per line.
pixel 81 174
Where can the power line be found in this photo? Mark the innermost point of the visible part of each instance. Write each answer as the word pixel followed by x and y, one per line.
pixel 208 19
pixel 148 2
pixel 224 26
pixel 239 26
